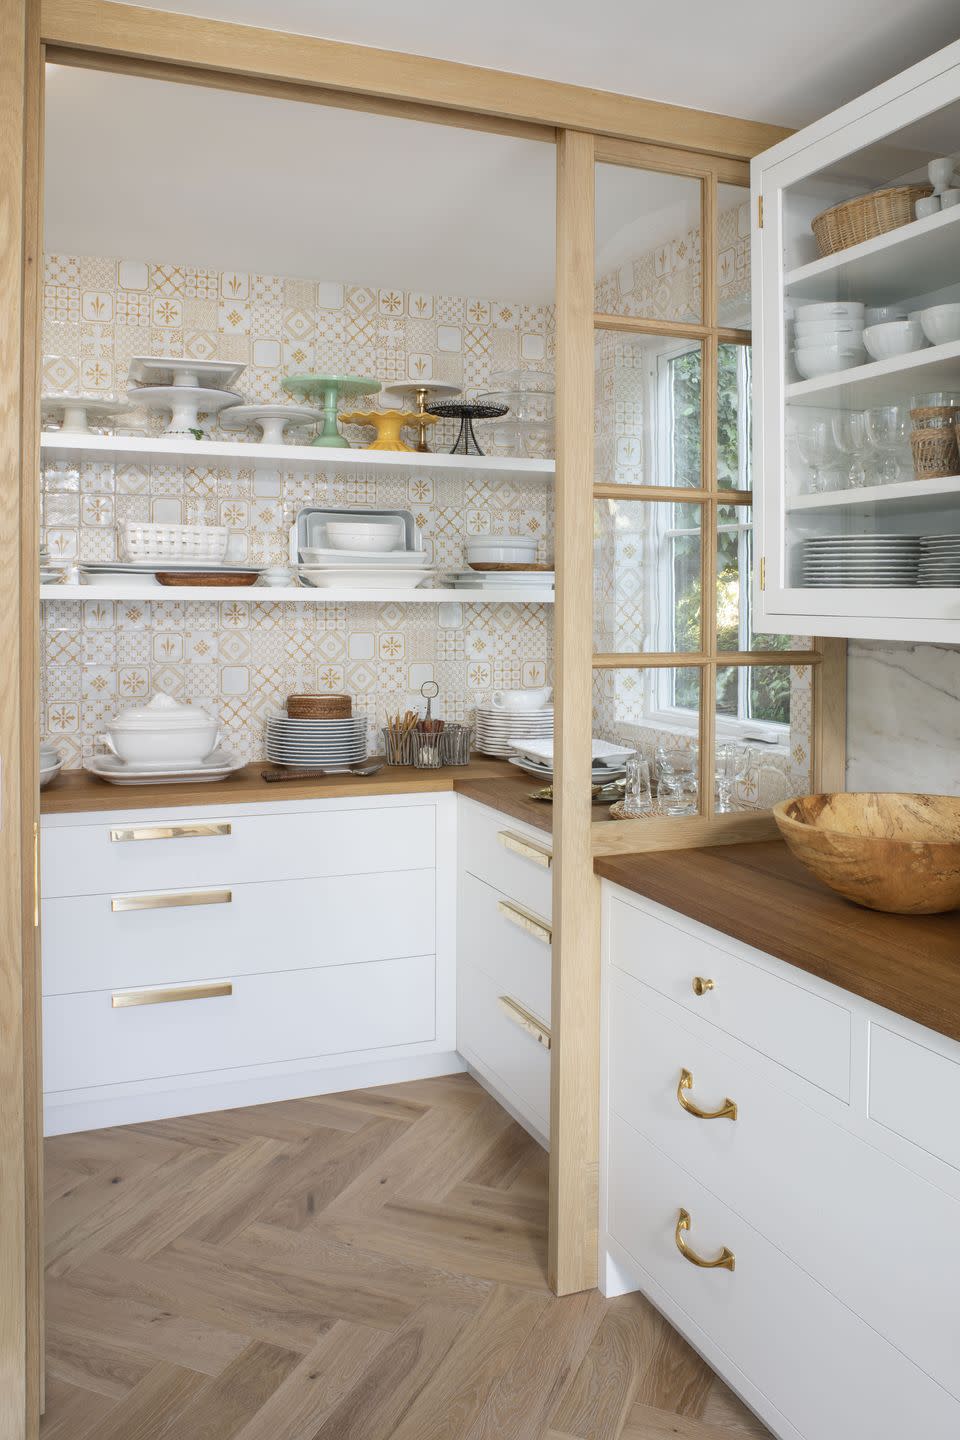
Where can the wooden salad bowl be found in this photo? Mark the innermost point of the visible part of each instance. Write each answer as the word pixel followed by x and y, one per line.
pixel 899 853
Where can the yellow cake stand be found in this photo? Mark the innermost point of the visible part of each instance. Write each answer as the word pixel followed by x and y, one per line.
pixel 388 424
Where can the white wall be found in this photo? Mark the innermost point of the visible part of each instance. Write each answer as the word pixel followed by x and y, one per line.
pixel 903 717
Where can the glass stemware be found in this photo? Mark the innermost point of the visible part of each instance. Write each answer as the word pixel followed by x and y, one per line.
pixel 888 431
pixel 677 784
pixel 726 774
pixel 638 792
pixel 815 444
pixel 849 429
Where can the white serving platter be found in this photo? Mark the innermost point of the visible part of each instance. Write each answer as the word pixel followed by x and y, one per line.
pixel 162 370
pixel 216 767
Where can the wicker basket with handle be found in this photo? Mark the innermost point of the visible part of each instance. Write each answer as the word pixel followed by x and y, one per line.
pixel 866 216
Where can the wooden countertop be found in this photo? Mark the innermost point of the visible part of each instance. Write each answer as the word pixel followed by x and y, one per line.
pixel 492 782
pixel 760 894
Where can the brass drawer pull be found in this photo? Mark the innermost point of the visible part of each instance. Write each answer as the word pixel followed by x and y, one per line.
pixel 539 929
pixel 701 985
pixel 165 995
pixel 727 1111
pixel 525 1018
pixel 520 845
pixel 171 900
pixel 185 830
pixel 726 1260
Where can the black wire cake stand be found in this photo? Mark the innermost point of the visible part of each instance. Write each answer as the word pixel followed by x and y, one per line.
pixel 466 412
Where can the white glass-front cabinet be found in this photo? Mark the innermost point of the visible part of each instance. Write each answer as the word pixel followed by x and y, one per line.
pixel 856 466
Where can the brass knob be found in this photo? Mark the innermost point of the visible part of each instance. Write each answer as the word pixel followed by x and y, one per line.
pixel 701 985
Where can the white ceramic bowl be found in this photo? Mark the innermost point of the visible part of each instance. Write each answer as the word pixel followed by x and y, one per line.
pixel 815 360
pixel 521 700
pixel 148 747
pixel 347 535
pixel 881 314
pixel 941 323
pixel 831 309
pixel 501 550
pixel 817 332
pixel 895 337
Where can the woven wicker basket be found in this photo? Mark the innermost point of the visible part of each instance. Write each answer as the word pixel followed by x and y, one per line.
pixel 935 453
pixel 319 707
pixel 866 216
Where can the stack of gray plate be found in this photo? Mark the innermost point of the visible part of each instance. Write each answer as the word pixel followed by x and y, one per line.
pixel 939 560
pixel 323 744
pixel 863 561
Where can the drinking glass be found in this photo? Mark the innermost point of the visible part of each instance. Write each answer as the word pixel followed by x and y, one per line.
pixel 815 444
pixel 638 795
pixel 677 787
pixel 850 437
pixel 727 762
pixel 888 431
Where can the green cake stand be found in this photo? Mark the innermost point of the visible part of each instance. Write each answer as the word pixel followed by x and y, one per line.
pixel 325 391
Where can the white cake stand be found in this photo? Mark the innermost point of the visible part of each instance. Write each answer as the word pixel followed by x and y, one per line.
pixel 185 403
pixel 273 420
pixel 162 370
pixel 420 393
pixel 78 410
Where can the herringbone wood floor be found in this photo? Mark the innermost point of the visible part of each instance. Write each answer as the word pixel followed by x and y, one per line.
pixel 362 1266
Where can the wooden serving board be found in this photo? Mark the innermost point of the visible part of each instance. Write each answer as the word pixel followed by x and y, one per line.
pixel 225 577
pixel 487 565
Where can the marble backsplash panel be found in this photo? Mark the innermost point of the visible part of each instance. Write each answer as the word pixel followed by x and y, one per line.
pixel 903 717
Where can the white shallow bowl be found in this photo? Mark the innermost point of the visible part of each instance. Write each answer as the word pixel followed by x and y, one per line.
pixel 821 332
pixel 895 337
pixel 881 314
pixel 378 538
pixel 941 323
pixel 830 309
pixel 815 360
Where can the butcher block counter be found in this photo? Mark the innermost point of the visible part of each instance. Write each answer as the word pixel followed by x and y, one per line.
pixel 759 894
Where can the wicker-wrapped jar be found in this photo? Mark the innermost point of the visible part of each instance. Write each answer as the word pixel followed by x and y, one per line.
pixel 935 453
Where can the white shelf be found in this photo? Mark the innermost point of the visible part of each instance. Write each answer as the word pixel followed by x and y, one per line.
pixel 882 382
pixel 302 595
pixel 906 496
pixel 161 450
pixel 915 259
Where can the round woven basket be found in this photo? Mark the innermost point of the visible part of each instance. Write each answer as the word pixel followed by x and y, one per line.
pixel 935 453
pixel 866 216
pixel 319 707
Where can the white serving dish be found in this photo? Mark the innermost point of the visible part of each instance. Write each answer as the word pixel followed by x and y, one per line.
pixel 162 733
pixel 147 543
pixel 895 337
pixel 821 332
pixel 162 370
pixel 816 360
pixel 827 309
pixel 369 538
pixel 881 314
pixel 185 403
pixel 272 420
pixel 323 557
pixel 364 578
pixel 941 323
pixel 604 753
pixel 600 775
pixel 501 549
pixel 215 767
pixel 78 410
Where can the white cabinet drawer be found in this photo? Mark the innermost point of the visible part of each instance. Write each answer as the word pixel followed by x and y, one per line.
pixel 166 854
pixel 296 1014
pixel 492 1036
pixel 512 857
pixel 278 925
pixel 781 1019
pixel 506 942
pixel 858 1222
pixel 830 1374
pixel 915 1092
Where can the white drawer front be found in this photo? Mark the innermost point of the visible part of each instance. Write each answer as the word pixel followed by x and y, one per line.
pixel 494 938
pixel 84 860
pixel 508 855
pixel 279 925
pixel 915 1092
pixel 830 1374
pixel 490 1036
pixel 855 1220
pixel 781 1019
pixel 297 1014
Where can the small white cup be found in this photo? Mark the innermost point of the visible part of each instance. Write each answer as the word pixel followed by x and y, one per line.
pixel 949 198
pixel 941 173
pixel 927 205
pixel 521 699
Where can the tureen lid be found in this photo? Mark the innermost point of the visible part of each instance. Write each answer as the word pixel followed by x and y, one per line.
pixel 162 713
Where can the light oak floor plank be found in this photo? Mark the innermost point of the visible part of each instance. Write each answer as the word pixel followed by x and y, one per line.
pixel 363 1266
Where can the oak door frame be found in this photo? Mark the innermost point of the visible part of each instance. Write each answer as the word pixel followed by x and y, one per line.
pixel 161 45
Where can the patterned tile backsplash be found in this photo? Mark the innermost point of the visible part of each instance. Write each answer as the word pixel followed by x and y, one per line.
pixel 240 659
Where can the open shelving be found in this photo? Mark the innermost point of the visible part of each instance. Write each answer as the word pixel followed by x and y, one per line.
pixel 301 594
pixel 917 494
pixel 875 271
pixel 882 382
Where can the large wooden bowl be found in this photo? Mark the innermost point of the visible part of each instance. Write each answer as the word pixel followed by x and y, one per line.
pixel 899 853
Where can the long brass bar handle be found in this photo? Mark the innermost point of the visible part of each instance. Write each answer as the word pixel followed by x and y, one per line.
pixel 539 929
pixel 171 900
pixel 727 1111
pixel 167 994
pixel 182 830
pixel 726 1260
pixel 526 1019
pixel 520 845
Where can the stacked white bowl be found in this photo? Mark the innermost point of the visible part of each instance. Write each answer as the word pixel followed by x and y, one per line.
pixel 828 336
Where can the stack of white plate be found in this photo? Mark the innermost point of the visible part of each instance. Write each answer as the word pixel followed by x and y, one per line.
pixel 499 731
pixel 861 560
pixel 939 560
pixel 494 580
pixel 323 744
pixel 394 569
pixel 536 758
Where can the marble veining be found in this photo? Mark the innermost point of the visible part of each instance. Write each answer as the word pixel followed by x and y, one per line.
pixel 903 717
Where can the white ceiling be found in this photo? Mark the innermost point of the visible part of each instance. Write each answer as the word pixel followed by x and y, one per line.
pixel 761 59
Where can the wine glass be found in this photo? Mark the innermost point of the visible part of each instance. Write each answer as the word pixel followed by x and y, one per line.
pixel 677 787
pixel 888 432
pixel 815 444
pixel 726 774
pixel 849 428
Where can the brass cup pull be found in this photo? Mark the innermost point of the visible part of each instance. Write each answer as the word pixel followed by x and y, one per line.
pixel 727 1111
pixel 701 985
pixel 726 1260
